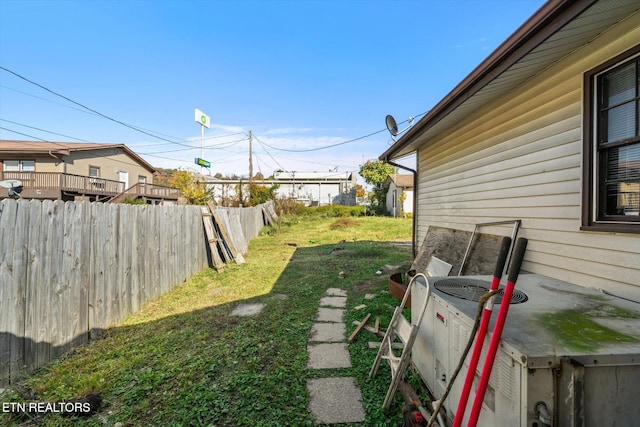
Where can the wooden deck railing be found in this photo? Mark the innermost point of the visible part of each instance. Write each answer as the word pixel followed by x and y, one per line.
pixel 87 185
pixel 65 181
pixel 153 191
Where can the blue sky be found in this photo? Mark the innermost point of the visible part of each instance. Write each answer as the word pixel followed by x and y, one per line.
pixel 301 75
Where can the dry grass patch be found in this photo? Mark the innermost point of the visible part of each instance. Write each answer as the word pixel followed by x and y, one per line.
pixel 343 223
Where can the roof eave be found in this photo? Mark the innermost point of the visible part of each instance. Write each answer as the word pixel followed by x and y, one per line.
pixel 550 18
pixel 65 150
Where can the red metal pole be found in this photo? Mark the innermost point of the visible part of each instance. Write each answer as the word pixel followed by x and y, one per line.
pixel 482 331
pixel 514 270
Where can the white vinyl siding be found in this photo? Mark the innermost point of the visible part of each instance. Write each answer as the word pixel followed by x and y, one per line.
pixel 521 158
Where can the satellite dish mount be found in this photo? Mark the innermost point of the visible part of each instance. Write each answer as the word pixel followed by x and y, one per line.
pixel 14 186
pixel 392 126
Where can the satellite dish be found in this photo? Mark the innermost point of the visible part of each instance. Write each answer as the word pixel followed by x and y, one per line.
pixel 14 186
pixel 392 126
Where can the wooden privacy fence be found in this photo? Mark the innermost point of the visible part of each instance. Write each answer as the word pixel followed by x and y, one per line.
pixel 69 270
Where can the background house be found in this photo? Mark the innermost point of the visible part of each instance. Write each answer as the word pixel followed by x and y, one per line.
pixel 318 188
pixel 399 194
pixel 309 188
pixel 79 171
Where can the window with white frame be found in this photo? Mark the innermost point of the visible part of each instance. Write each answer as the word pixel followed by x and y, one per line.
pixel 19 165
pixel 611 193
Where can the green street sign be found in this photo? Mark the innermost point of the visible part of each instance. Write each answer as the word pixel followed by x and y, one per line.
pixel 202 162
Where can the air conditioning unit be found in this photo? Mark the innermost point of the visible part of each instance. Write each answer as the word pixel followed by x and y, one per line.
pixel 568 356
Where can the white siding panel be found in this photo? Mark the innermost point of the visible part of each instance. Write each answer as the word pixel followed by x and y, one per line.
pixel 600 258
pixel 599 272
pixel 520 158
pixel 561 160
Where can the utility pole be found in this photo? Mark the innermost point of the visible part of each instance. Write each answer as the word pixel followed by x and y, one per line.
pixel 250 157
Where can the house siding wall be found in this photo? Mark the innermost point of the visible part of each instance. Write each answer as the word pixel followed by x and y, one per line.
pixel 407 205
pixel 520 158
pixel 42 163
pixel 110 161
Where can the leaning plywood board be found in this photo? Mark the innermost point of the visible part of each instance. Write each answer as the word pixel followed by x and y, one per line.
pixel 267 216
pixel 238 237
pixel 226 233
pixel 212 238
pixel 225 250
pixel 271 208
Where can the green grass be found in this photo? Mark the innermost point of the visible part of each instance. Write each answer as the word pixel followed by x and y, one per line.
pixel 183 360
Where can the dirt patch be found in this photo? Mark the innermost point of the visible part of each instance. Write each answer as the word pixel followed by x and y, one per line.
pixel 373 284
pixel 343 223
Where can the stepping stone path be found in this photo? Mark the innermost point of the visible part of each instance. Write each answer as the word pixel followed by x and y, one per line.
pixel 333 400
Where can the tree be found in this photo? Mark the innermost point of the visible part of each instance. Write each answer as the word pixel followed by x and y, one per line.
pixel 195 192
pixel 375 173
pixel 401 199
pixel 164 176
pixel 259 194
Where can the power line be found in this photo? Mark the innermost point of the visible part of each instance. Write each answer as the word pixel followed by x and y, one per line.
pixel 332 145
pixel 23 134
pixel 320 148
pixel 168 140
pixel 205 138
pixel 43 130
pixel 269 154
pixel 116 160
pixel 88 108
pixel 178 141
pixel 206 147
pixel 169 158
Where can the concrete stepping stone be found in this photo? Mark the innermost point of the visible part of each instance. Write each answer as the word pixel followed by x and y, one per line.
pixel 328 332
pixel 336 292
pixel 338 302
pixel 328 356
pixel 330 314
pixel 243 310
pixel 335 400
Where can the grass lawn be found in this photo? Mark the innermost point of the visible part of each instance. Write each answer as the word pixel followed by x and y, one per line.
pixel 185 361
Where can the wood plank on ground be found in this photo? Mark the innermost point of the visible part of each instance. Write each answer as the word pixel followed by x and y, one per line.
pixel 360 326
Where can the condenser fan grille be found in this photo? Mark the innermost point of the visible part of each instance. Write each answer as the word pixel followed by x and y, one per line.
pixel 473 289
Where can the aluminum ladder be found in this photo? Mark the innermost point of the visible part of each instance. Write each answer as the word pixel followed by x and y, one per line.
pixel 401 328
